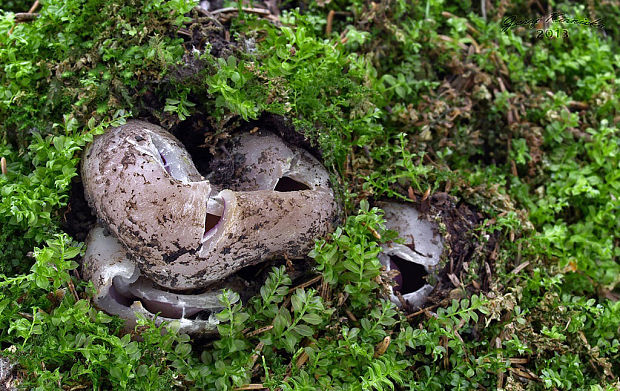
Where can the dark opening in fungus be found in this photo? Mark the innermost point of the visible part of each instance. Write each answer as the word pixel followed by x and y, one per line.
pixel 211 221
pixel 286 184
pixel 411 277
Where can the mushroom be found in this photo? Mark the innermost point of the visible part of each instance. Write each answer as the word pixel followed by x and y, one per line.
pixel 415 258
pixel 186 233
pixel 122 290
pixel 265 162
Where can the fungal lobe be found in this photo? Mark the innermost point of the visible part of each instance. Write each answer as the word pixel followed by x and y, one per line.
pixel 121 289
pixel 141 183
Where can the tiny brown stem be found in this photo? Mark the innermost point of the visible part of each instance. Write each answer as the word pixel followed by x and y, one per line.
pixel 257 350
pixel 351 316
pixel 372 230
pixel 423 310
pixel 522 266
pixel 259 331
pixel 302 359
pixel 251 387
pixel 426 194
pixel 305 284
pixel 25 315
pixel 34 7
pixel 330 20
pixel 73 291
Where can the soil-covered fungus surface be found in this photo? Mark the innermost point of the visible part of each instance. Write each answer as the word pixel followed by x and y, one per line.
pixel 309 195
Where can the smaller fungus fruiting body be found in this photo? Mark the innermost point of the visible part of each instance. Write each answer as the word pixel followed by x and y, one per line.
pixel 416 257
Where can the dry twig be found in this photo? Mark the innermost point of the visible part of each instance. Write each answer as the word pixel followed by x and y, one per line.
pixel 255 386
pixel 423 310
pixel 330 20
pixel 259 331
pixel 259 11
pixel 23 16
pixel 522 266
pixel 305 284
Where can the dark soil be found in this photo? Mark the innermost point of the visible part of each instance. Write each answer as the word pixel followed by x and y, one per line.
pixel 462 246
pixel 78 218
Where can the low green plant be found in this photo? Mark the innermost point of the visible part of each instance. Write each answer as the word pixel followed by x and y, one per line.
pixel 431 96
pixel 37 184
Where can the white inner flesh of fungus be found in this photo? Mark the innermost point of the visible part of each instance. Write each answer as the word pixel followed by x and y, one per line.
pixel 215 211
pixel 171 158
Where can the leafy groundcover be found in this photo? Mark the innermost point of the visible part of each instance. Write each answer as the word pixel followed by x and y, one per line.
pixel 499 117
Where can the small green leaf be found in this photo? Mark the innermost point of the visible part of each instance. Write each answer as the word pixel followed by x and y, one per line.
pixel 303 330
pixel 313 319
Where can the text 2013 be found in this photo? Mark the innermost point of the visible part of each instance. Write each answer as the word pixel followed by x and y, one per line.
pixel 552 33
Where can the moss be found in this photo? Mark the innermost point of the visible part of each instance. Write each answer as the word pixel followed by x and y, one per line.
pixel 511 138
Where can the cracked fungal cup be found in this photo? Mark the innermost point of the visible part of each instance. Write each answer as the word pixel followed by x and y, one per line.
pixel 416 258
